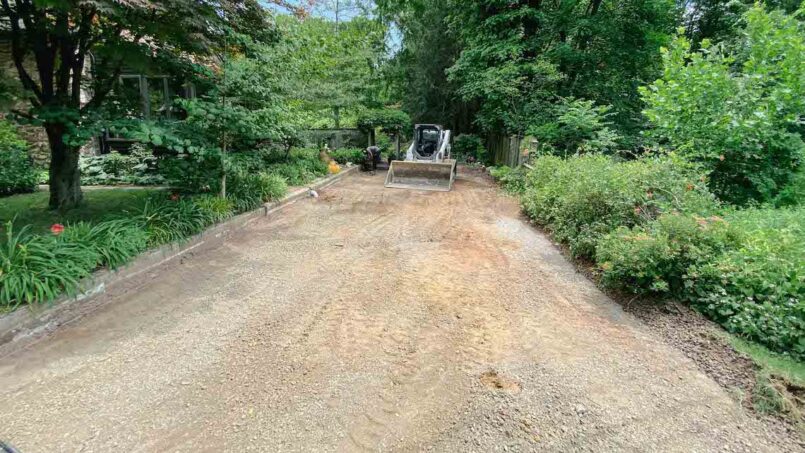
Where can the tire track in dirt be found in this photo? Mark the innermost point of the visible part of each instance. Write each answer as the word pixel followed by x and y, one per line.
pixel 369 320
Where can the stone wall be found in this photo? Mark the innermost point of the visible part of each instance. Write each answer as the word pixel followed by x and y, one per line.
pixel 335 138
pixel 35 136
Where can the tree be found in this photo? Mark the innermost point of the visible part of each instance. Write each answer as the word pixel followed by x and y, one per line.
pixel 721 20
pixel 243 108
pixel 390 120
pixel 737 114
pixel 340 11
pixel 52 42
pixel 417 75
pixel 243 111
pixel 503 65
pixel 335 73
pixel 580 127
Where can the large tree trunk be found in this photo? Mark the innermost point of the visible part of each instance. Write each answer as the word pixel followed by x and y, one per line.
pixel 65 178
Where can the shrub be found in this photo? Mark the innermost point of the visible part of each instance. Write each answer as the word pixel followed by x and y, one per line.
pixel 272 187
pixel 652 230
pixel 17 173
pixel 249 191
pixel 580 127
pixel 192 172
pixel 296 174
pixel 745 271
pixel 511 179
pixel 293 174
pixel 309 160
pixel 794 193
pixel 347 155
pixel 243 191
pixel 656 257
pixel 757 288
pixel 9 138
pixel 258 160
pixel 469 145
pixel 581 199
pixel 139 167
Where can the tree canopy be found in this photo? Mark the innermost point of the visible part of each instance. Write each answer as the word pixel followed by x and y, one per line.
pixel 569 73
pixel 737 112
pixel 52 43
pixel 511 61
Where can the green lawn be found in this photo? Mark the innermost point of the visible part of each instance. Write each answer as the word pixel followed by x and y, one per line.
pixel 32 208
pixel 778 382
pixel 788 368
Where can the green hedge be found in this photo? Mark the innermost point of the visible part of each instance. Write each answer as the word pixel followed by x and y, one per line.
pixel 652 228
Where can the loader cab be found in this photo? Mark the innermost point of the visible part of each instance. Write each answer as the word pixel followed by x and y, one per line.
pixel 427 139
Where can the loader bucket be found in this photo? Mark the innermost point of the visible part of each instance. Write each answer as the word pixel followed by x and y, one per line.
pixel 421 175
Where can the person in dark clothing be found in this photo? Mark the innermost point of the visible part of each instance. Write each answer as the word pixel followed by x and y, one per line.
pixel 372 154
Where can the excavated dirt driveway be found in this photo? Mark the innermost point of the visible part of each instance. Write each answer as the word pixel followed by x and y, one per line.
pixel 368 319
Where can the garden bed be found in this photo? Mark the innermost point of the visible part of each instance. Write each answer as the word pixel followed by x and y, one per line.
pixel 24 325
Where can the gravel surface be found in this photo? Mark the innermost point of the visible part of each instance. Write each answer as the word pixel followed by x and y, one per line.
pixel 705 343
pixel 369 319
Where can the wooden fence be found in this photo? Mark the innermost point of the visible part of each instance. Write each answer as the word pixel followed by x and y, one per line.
pixel 510 150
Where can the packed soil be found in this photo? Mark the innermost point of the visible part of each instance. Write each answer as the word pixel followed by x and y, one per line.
pixel 370 319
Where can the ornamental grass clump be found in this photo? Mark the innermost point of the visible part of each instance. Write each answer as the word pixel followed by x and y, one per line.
pixel 115 242
pixel 36 268
pixel 167 220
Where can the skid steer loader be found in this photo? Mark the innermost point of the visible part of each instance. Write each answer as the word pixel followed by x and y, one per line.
pixel 427 164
